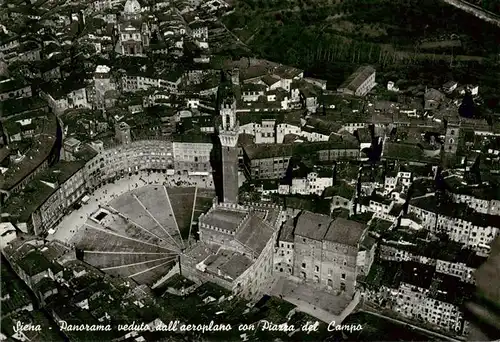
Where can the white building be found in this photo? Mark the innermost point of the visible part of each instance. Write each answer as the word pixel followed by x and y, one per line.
pixel 392 87
pixel 314 184
pixel 102 83
pixel 414 302
pixel 392 180
pixel 192 157
pixel 473 229
pixel 133 33
pixel 133 83
pixel 7 234
pixel 360 82
pixel 484 206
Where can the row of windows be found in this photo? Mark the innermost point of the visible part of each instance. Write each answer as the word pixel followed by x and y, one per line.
pixel 249 93
pixel 267 135
pixel 285 244
pixel 330 271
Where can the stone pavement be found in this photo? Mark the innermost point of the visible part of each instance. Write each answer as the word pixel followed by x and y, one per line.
pixel 322 305
pixel 72 222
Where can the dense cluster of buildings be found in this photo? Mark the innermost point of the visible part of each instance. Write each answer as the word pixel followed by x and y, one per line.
pixel 352 194
pixel 68 290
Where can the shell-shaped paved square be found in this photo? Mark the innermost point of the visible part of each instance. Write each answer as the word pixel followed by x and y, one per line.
pixel 140 233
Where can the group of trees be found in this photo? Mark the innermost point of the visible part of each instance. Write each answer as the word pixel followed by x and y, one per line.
pixel 489 5
pixel 311 38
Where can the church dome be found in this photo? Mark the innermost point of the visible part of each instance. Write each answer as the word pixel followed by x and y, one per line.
pixel 132 7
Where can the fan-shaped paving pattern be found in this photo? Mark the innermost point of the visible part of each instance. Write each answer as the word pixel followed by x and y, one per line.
pixel 182 200
pixel 126 271
pixel 136 235
pixel 152 274
pixel 155 201
pixel 104 260
pixel 93 237
pixel 135 212
pixel 118 224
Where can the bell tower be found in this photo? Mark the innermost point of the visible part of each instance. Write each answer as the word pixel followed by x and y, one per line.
pixel 228 135
pixel 451 138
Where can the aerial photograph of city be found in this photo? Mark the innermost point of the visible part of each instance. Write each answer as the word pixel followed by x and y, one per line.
pixel 249 170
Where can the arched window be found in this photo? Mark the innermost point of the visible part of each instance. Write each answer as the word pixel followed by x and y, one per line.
pixel 452 132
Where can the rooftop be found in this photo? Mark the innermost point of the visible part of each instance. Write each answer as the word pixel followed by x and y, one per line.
pixel 310 203
pixel 34 263
pixel 345 231
pixel 36 192
pixel 402 151
pixel 435 249
pixel 11 84
pixel 230 263
pixel 224 218
pixel 287 230
pixel 450 289
pixel 292 118
pixel 251 87
pixel 195 138
pixel 321 227
pixel 357 78
pixel 457 185
pixel 384 273
pixel 313 226
pixel 26 104
pixel 456 210
pixel 40 149
pixel 415 273
pixel 255 234
pixel 380 226
pixel 262 151
pixel 253 72
pixel 323 126
pixel 286 72
pixel 270 80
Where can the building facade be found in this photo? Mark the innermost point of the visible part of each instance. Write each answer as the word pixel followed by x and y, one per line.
pixel 9 89
pixel 324 256
pixel 267 168
pixel 132 32
pixel 475 230
pixel 192 158
pixel 414 302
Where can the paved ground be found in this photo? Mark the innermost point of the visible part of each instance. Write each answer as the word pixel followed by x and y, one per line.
pixel 72 222
pixel 322 305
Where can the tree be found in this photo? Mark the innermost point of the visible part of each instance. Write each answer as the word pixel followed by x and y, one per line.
pixel 467 108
